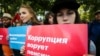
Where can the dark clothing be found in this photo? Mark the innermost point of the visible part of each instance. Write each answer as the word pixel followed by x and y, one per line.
pixel 1 51
pixel 16 52
pixel 1 25
pixel 98 46
pixel 94 34
pixel 94 30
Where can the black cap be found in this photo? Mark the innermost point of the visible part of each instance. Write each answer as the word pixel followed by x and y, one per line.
pixel 70 4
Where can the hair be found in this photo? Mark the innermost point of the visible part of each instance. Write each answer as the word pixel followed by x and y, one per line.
pixel 34 19
pixel 46 21
pixel 77 19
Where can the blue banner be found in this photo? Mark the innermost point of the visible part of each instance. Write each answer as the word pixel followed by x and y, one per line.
pixel 17 36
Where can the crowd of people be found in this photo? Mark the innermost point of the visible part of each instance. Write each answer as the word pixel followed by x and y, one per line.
pixel 62 12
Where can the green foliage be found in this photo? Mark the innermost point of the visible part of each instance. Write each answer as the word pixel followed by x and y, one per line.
pixel 91 6
pixel 40 6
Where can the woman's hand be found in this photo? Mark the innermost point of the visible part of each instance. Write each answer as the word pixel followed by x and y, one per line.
pixel 22 50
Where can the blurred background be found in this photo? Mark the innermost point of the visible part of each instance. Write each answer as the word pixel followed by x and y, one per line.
pixel 86 10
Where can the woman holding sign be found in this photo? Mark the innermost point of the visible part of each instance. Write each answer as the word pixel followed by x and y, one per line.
pixel 66 12
pixel 28 17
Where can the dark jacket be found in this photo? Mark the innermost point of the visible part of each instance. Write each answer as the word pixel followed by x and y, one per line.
pixel 94 30
pixel 94 34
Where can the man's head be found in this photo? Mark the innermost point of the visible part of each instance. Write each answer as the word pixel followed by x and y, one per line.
pixel 6 19
pixel 97 15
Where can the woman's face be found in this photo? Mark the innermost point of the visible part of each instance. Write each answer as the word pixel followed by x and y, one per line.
pixel 25 15
pixel 50 19
pixel 66 16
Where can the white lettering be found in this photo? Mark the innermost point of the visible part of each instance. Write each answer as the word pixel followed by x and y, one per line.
pixel 37 47
pixel 65 40
pixel 29 52
pixel 1 36
pixel 17 42
pixel 18 35
pixel 55 40
pixel 13 38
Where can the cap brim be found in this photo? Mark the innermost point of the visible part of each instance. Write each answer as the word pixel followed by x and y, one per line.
pixel 7 17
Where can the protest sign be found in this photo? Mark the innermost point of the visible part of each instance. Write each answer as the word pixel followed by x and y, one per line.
pixel 56 40
pixel 17 36
pixel 3 36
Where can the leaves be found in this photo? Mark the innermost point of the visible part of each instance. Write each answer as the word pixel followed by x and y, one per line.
pixel 40 6
pixel 91 6
pixel 11 6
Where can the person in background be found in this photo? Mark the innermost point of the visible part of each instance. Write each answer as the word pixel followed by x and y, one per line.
pixel 7 20
pixel 27 17
pixel 6 23
pixel 66 12
pixel 94 25
pixel 94 31
pixel 49 18
pixel 98 38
